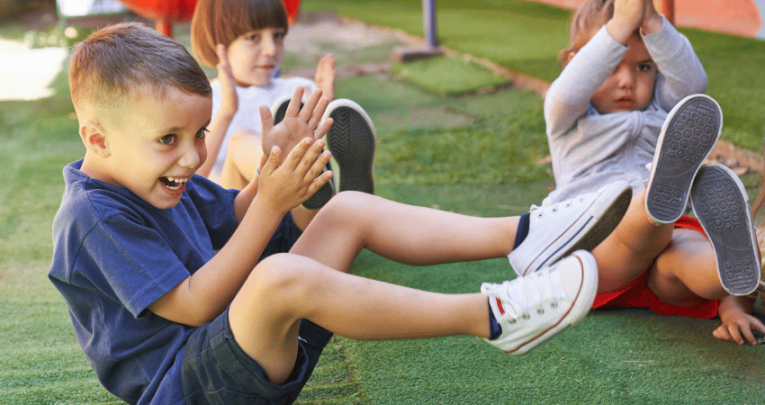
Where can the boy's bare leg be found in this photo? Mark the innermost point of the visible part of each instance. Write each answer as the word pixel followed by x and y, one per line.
pixel 283 289
pixel 631 248
pixel 407 234
pixel 244 156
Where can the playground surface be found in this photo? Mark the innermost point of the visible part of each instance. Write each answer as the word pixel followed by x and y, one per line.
pixel 481 153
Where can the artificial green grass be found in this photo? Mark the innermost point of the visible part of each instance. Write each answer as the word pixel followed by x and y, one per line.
pixel 525 36
pixel 473 155
pixel 448 75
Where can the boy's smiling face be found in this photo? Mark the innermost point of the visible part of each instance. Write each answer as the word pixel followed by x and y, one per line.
pixel 256 55
pixel 630 86
pixel 154 146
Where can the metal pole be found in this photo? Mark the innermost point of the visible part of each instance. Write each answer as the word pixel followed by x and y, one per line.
pixel 429 22
pixel 668 9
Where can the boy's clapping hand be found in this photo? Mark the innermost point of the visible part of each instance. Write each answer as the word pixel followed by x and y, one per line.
pixel 297 123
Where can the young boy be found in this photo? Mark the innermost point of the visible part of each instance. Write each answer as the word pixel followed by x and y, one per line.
pixel 163 271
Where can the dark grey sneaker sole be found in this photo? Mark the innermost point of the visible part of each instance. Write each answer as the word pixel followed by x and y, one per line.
pixel 352 141
pixel 689 134
pixel 722 207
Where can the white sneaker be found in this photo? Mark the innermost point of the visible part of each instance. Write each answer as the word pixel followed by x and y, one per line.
pixel 352 141
pixel 533 309
pixel 722 207
pixel 557 230
pixel 688 135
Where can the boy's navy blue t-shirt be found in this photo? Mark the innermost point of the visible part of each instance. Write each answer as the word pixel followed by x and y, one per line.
pixel 115 254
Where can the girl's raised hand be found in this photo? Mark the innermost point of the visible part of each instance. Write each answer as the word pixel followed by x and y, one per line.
pixel 628 16
pixel 229 100
pixel 297 123
pixel 325 76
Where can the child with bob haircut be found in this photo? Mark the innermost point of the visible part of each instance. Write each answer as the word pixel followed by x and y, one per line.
pixel 245 40
pixel 627 107
pixel 164 272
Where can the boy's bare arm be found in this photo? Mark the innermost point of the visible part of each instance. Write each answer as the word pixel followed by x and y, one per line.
pixel 204 295
pixel 737 323
pixel 283 184
pixel 222 119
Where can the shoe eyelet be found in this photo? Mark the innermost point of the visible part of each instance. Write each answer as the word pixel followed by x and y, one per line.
pixel 540 311
pixel 568 204
pixel 554 210
pixel 512 321
pixel 526 317
pixel 554 304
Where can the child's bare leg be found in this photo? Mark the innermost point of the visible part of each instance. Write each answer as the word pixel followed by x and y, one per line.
pixel 686 272
pixel 407 234
pixel 283 289
pixel 630 250
pixel 244 156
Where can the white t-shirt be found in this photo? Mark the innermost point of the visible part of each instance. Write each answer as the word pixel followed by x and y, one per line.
pixel 248 113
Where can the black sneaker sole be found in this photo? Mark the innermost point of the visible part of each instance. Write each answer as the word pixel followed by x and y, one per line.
pixel 689 134
pixel 721 205
pixel 351 140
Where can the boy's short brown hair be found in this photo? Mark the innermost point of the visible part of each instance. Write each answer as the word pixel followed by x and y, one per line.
pixel 587 20
pixel 223 21
pixel 113 63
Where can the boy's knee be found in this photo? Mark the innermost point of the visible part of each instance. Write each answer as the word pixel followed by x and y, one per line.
pixel 348 202
pixel 278 275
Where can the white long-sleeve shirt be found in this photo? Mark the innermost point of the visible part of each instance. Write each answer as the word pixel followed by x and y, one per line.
pixel 590 149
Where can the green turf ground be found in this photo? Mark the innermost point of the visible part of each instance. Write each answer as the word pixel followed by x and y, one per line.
pixel 474 155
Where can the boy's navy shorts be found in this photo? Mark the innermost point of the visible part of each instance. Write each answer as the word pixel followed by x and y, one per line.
pixel 287 233
pixel 216 370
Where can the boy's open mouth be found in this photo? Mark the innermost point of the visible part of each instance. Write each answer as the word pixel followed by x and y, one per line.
pixel 173 183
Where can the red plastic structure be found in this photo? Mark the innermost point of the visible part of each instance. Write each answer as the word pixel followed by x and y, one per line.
pixel 167 12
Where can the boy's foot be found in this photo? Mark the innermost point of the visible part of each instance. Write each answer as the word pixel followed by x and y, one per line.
pixel 322 196
pixel 688 135
pixel 557 230
pixel 352 142
pixel 721 205
pixel 532 309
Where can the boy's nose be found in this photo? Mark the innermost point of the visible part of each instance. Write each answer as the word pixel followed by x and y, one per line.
pixel 190 158
pixel 268 46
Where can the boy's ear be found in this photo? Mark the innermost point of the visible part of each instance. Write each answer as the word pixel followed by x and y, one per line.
pixel 94 138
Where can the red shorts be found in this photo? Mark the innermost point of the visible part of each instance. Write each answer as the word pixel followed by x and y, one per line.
pixel 638 295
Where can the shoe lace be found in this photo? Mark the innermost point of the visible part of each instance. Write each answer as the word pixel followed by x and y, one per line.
pixel 553 208
pixel 521 294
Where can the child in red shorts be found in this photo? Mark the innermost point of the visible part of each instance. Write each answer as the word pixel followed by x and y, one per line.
pixel 628 98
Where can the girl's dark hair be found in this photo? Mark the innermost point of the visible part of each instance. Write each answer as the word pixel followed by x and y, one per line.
pixel 222 21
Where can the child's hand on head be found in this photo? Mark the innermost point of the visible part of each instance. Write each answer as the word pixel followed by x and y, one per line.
pixel 738 328
pixel 325 76
pixel 297 123
pixel 628 16
pixel 286 184
pixel 652 20
pixel 229 100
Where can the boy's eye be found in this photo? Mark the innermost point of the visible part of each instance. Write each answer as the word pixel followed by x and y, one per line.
pixel 167 139
pixel 644 67
pixel 202 133
pixel 253 37
pixel 280 35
